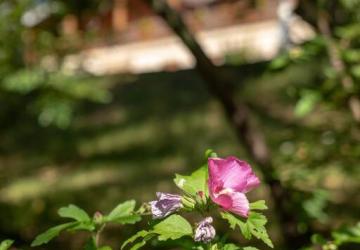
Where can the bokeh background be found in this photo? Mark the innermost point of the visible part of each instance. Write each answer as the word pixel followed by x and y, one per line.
pixel 100 101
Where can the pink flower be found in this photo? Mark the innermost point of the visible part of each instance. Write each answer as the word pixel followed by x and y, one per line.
pixel 229 180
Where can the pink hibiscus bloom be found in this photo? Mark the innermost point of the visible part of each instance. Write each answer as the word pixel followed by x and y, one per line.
pixel 229 180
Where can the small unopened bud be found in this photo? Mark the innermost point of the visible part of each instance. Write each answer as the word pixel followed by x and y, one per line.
pixel 98 218
pixel 165 205
pixel 205 232
pixel 201 198
pixel 188 202
pixel 144 208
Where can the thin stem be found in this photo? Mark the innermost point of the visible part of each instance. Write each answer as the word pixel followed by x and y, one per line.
pixel 96 235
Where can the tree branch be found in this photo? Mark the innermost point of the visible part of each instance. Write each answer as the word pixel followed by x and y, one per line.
pixel 238 115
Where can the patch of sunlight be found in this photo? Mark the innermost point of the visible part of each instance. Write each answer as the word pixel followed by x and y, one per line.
pixel 151 131
pixel 32 187
pixel 119 138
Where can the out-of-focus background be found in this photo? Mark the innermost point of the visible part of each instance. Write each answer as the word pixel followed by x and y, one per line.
pixel 100 101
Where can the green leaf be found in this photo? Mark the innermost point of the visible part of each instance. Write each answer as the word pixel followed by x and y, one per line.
pixel 132 239
pixel 123 213
pixel 280 62
pixel 307 102
pixel 194 183
pixel 257 219
pixel 318 239
pixel 254 226
pixel 74 212
pixel 83 226
pixel 51 233
pixel 6 244
pixel 316 205
pixel 122 209
pixel 258 205
pixel 138 245
pixel 256 223
pixel 245 230
pixel 173 227
pixel 234 221
pixel 250 248
pixel 230 247
pixel 347 235
pixel 130 219
pixel 24 81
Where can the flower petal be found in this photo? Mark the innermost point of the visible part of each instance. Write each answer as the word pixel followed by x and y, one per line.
pixel 224 200
pixel 165 205
pixel 252 182
pixel 240 204
pixel 231 173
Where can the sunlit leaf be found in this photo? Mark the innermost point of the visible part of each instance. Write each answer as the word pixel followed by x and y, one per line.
pixel 194 183
pixel 231 247
pixel 74 212
pixel 173 227
pixel 258 205
pixel 253 226
pixel 123 213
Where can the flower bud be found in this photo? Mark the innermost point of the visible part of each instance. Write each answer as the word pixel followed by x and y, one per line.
pixel 98 218
pixel 188 203
pixel 165 205
pixel 205 232
pixel 201 198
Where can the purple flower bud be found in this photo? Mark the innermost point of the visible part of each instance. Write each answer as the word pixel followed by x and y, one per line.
pixel 205 232
pixel 165 205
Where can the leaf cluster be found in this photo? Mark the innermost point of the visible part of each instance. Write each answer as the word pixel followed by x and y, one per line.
pixel 122 214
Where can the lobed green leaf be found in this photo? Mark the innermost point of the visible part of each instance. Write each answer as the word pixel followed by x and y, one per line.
pixel 254 226
pixel 258 205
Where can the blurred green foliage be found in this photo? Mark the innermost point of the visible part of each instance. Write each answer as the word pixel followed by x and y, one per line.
pixel 51 93
pixel 338 54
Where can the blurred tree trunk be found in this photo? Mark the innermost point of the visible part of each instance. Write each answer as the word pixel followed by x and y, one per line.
pixel 238 114
pixel 285 14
